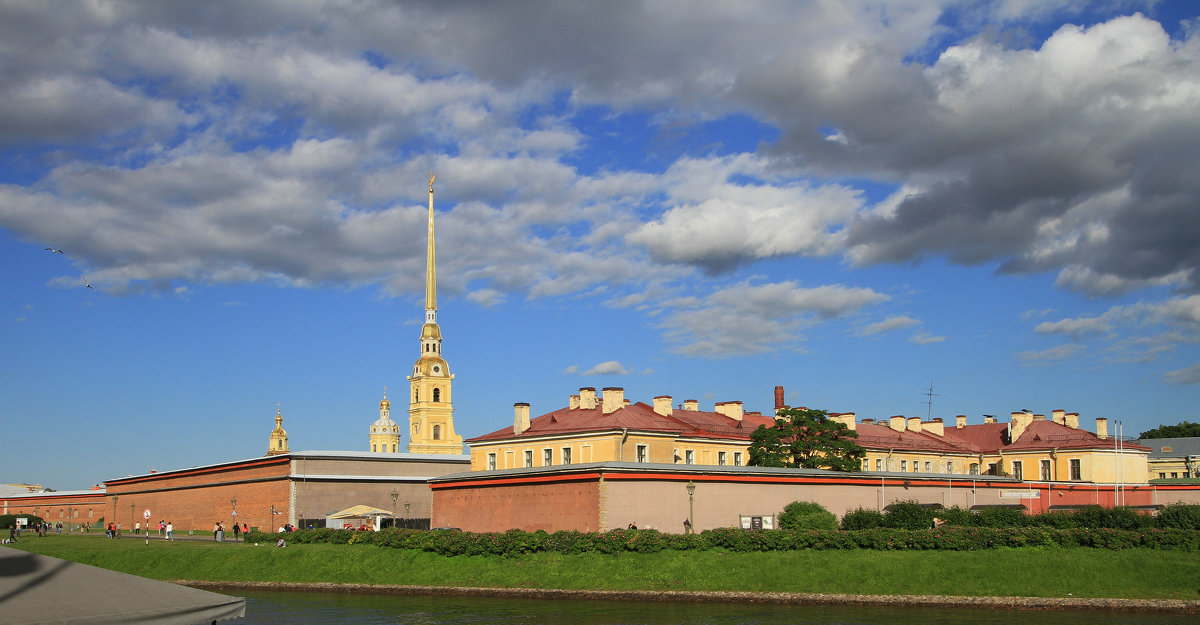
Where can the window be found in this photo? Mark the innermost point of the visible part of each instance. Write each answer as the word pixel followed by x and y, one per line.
pixel 974 468
pixel 1174 475
pixel 566 455
pixel 492 461
pixel 547 457
pixel 721 458
pixel 1076 471
pixel 1046 470
pixel 949 467
pixel 737 458
pixel 879 464
pixel 393 447
pixel 690 457
pixel 373 447
pixel 866 464
pixel 1162 476
pixel 437 394
pixel 1018 470
pixel 903 466
pixel 416 395
pixel 643 453
pixel 528 458
pixel 928 467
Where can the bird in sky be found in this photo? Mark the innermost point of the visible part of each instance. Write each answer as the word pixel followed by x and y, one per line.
pixel 87 284
pixel 53 250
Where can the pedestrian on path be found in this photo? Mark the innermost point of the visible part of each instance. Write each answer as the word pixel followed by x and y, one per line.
pixel 170 531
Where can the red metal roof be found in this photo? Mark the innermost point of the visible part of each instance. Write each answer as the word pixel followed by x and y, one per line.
pixel 640 417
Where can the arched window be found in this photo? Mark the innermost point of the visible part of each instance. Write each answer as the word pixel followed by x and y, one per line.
pixel 437 394
pixel 373 448
pixel 437 431
pixel 416 395
pixel 393 447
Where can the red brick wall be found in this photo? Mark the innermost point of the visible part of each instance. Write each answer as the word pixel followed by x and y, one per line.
pixel 70 510
pixel 549 506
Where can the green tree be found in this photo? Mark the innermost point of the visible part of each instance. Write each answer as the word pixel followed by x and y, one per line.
pixel 808 439
pixel 1181 430
pixel 807 515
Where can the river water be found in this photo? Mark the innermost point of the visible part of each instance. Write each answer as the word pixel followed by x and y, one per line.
pixel 303 608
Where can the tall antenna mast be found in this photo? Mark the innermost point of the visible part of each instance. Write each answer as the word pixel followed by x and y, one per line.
pixel 929 395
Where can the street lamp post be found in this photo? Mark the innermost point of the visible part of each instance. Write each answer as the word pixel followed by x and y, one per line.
pixel 406 507
pixel 131 507
pixel 114 517
pixel 691 489
pixel 233 504
pixel 395 496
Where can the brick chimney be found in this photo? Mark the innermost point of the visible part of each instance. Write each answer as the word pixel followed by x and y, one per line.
pixel 520 418
pixel 731 409
pixel 1101 427
pixel 613 399
pixel 662 405
pixel 691 404
pixel 779 399
pixel 587 398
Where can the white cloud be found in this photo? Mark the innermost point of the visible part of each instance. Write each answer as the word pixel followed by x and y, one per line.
pixel 1187 375
pixel 925 339
pixel 887 325
pixel 608 367
pixel 750 319
pixel 1062 352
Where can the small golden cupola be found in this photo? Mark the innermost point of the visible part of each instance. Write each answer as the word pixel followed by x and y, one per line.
pixel 279 439
pixel 385 433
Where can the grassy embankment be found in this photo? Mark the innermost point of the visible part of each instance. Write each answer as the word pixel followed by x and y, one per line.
pixel 1133 574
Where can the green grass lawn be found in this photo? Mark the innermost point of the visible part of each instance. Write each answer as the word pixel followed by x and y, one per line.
pixel 1134 573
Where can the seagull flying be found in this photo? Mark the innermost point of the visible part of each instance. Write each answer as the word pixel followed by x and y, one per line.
pixel 54 251
pixel 87 284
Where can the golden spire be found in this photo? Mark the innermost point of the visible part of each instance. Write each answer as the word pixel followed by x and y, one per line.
pixel 430 279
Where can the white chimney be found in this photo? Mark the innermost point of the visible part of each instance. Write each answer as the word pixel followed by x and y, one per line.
pixel 1072 420
pixel 520 418
pixel 914 424
pixel 1020 421
pixel 845 418
pixel 691 404
pixel 574 402
pixel 662 405
pixel 896 423
pixel 613 399
pixel 960 421
pixel 1101 427
pixel 587 398
pixel 935 427
pixel 1059 416
pixel 731 409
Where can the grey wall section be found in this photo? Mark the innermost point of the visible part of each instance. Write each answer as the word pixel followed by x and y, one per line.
pixel 325 482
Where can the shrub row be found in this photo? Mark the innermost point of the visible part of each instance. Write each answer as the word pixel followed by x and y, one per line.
pixel 912 515
pixel 947 538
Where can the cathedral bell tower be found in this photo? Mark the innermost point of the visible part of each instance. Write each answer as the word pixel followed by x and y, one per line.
pixel 279 441
pixel 431 411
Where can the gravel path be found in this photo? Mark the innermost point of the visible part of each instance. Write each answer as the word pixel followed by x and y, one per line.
pixel 794 598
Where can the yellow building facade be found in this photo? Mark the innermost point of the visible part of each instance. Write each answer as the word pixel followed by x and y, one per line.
pixel 608 428
pixel 385 433
pixel 1029 447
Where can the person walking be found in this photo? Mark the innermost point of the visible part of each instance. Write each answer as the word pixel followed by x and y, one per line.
pixel 12 533
pixel 170 531
pixel 236 532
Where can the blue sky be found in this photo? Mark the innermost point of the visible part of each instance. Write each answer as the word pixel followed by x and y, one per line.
pixel 853 200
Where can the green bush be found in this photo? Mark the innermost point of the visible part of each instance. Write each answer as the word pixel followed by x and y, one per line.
pixel 1001 517
pixel 956 515
pixel 908 515
pixel 807 515
pixel 1180 516
pixel 862 519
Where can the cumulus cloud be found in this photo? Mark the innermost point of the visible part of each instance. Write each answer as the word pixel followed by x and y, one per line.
pixel 749 319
